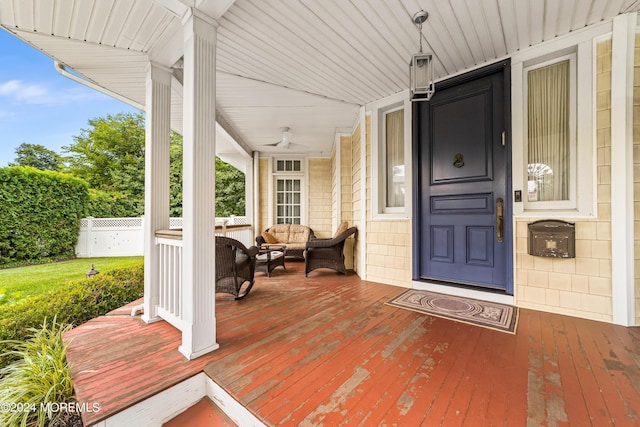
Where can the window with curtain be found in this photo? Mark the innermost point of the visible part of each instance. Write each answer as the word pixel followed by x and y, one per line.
pixel 394 158
pixel 549 132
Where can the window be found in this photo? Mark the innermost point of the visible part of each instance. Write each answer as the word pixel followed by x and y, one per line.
pixel 551 134
pixel 391 156
pixel 393 124
pixel 288 165
pixel 288 191
pixel 288 201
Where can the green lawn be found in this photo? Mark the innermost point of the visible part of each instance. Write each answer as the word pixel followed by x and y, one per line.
pixel 20 282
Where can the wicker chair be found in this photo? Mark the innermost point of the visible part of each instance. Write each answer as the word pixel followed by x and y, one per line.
pixel 235 265
pixel 327 253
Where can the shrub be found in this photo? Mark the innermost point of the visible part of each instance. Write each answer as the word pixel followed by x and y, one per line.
pixel 39 376
pixel 40 215
pixel 104 204
pixel 74 303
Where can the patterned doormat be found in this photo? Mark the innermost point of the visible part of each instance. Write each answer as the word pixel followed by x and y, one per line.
pixel 490 315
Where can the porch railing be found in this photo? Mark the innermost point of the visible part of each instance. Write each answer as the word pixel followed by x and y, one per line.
pixel 170 265
pixel 170 278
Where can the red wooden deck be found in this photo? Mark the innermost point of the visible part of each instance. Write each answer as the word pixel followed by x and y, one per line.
pixel 327 350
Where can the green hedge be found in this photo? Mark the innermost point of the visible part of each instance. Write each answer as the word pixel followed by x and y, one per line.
pixel 76 302
pixel 40 215
pixel 113 205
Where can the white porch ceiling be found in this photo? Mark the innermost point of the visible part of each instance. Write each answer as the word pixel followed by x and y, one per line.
pixel 308 64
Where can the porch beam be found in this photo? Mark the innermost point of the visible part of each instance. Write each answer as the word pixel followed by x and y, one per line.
pixel 199 134
pixel 622 237
pixel 156 179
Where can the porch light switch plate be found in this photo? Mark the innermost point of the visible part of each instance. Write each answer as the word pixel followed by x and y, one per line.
pixel 517 196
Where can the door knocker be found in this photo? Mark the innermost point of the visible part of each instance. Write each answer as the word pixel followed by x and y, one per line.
pixel 458 160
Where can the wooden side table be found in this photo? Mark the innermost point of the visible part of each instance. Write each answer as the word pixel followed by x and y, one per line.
pixel 269 257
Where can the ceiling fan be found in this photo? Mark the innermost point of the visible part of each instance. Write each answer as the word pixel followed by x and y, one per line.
pixel 285 141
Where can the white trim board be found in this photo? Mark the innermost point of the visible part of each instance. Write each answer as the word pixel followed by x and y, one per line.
pixel 164 406
pixel 464 292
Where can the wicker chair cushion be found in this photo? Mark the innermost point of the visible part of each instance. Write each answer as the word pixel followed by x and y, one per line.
pixel 341 229
pixel 294 236
pixel 269 238
pixel 296 245
pixel 298 233
pixel 281 232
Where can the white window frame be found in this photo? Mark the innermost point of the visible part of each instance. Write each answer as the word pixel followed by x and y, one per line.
pixel 377 110
pixel 304 188
pixel 583 45
pixel 571 203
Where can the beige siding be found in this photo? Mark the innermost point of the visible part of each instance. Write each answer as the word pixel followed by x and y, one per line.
pixel 334 189
pixel 580 286
pixel 320 196
pixel 636 172
pixel 356 181
pixel 319 193
pixel 388 241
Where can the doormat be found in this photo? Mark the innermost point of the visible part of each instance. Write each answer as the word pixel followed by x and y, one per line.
pixel 500 317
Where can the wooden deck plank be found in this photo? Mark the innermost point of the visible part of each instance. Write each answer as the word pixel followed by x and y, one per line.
pixel 554 395
pixel 297 343
pixel 302 381
pixel 576 407
pixel 484 371
pixel 449 372
pixel 503 377
pixel 591 393
pixel 515 372
pixel 407 399
pixel 397 370
pixel 203 414
pixel 347 384
pixel 612 374
pixel 326 350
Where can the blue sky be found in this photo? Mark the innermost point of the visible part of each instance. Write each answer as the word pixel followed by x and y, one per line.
pixel 38 105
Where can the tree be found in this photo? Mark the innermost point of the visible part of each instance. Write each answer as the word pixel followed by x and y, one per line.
pixel 109 155
pixel 230 190
pixel 37 156
pixel 230 185
pixel 175 175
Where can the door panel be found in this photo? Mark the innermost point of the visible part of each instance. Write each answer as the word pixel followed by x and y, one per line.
pixel 480 246
pixel 462 122
pixel 461 169
pixel 442 243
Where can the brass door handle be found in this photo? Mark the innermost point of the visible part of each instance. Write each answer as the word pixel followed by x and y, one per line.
pixel 499 219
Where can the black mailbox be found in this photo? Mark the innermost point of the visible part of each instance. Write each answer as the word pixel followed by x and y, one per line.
pixel 552 238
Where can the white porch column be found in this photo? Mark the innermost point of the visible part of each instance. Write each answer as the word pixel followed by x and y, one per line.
pixel 198 204
pixel 156 179
pixel 249 191
pixel 622 228
pixel 255 217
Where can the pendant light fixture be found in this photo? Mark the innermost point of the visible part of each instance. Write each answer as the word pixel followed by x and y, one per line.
pixel 421 67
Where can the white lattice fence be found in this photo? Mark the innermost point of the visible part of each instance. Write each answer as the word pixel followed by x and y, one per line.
pixel 105 237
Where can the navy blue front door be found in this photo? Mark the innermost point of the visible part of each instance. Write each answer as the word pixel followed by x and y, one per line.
pixel 462 214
